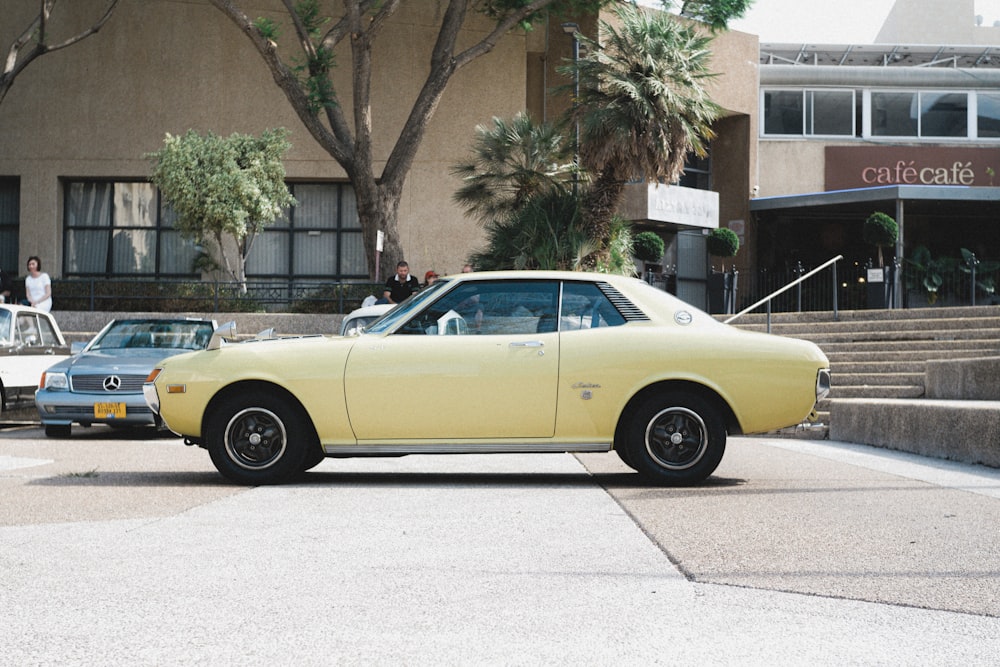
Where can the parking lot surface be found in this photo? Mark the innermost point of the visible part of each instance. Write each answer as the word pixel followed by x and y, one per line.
pixel 118 546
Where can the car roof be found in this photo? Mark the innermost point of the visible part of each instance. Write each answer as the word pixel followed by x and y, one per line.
pixel 15 308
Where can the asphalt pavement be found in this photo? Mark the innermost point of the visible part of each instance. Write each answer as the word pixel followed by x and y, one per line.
pixel 124 547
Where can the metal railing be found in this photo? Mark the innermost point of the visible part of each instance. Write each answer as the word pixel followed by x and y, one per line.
pixel 293 296
pixel 797 282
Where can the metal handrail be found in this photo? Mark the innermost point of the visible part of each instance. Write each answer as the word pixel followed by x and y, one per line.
pixel 767 299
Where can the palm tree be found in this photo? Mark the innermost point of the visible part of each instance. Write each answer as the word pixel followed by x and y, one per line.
pixel 511 163
pixel 642 106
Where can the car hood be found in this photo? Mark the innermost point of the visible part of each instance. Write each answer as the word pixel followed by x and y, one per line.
pixel 133 360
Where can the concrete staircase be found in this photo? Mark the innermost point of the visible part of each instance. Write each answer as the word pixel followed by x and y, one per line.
pixel 884 353
pixel 879 360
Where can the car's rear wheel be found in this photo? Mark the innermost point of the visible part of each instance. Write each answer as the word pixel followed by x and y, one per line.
pixel 58 430
pixel 675 438
pixel 258 438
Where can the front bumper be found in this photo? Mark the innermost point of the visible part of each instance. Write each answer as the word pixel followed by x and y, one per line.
pixel 64 407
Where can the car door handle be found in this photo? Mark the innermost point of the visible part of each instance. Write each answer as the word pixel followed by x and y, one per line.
pixel 528 343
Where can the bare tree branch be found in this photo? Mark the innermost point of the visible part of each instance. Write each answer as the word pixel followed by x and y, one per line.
pixel 37 31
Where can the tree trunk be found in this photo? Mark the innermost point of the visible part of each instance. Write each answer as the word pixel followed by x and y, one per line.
pixel 378 207
pixel 600 202
pixel 378 196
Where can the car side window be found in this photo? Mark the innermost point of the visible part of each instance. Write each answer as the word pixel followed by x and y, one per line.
pixel 27 332
pixel 489 308
pixel 47 331
pixel 584 306
pixel 5 318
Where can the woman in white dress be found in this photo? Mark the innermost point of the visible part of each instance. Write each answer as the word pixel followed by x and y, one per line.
pixel 38 286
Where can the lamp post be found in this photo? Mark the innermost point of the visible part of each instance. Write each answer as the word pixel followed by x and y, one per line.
pixel 572 29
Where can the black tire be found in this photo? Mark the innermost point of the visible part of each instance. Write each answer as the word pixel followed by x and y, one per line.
pixel 313 458
pixel 622 451
pixel 58 430
pixel 258 438
pixel 675 439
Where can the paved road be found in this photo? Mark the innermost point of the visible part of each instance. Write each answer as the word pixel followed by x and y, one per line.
pixel 118 549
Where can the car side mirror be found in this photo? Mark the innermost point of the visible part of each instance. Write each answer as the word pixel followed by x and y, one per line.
pixel 227 333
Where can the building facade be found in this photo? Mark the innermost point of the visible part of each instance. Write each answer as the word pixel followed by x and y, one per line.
pixel 909 126
pixel 78 124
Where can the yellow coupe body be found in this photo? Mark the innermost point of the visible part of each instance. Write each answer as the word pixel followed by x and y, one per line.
pixel 496 362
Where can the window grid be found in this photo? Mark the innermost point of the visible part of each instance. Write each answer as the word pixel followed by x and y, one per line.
pixel 930 115
pixel 124 228
pixel 10 222
pixel 319 239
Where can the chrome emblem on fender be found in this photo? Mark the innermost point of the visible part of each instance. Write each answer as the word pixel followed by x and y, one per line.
pixel 683 318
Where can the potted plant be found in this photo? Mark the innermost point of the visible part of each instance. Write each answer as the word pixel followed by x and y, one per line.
pixel 722 242
pixel 881 231
pixel 648 247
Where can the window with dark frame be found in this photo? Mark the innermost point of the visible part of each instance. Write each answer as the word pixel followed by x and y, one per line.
pixel 10 224
pixel 319 239
pixel 124 228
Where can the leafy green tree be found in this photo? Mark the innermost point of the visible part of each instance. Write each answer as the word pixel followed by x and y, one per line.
pixel 881 231
pixel 511 163
pixel 548 233
pixel 304 65
pixel 642 106
pixel 648 246
pixel 35 41
pixel 716 13
pixel 722 242
pixel 227 189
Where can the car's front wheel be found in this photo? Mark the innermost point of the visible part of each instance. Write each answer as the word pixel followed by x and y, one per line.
pixel 675 438
pixel 258 438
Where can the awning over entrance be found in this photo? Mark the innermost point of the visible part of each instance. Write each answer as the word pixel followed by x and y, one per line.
pixel 813 227
pixel 861 197
pixel 808 229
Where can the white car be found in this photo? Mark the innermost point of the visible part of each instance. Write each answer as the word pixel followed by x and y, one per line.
pixel 30 342
pixel 357 319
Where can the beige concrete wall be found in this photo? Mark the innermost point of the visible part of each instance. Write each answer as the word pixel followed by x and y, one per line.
pixel 95 110
pixel 790 167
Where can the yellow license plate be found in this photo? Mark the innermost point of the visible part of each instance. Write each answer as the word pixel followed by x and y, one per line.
pixel 109 410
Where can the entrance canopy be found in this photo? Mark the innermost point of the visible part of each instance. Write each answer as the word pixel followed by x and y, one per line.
pixel 813 227
pixel 803 231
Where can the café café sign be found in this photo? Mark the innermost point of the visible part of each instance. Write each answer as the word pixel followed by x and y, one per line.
pixel 868 166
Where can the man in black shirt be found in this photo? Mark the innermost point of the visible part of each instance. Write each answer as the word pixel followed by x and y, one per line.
pixel 401 285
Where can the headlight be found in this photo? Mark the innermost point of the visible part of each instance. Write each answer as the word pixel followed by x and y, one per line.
pixel 54 381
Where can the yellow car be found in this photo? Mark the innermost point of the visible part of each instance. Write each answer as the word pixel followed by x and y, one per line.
pixel 519 361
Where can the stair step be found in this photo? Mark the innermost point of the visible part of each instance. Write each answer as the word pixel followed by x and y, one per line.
pixel 878 379
pixel 875 366
pixel 906 354
pixel 876 391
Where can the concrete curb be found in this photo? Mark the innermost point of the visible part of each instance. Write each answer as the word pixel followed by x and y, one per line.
pixel 958 430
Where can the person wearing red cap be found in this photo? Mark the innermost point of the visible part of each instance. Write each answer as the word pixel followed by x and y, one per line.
pixel 429 278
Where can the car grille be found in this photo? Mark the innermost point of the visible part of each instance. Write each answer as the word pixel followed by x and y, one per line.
pixel 96 383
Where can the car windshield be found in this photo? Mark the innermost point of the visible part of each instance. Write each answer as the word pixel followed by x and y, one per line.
pixel 403 311
pixel 164 334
